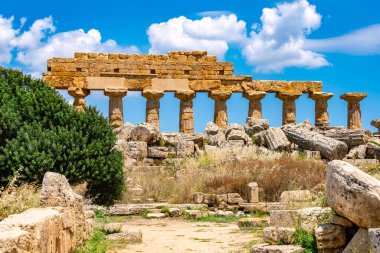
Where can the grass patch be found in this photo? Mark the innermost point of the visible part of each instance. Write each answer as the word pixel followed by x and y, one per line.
pixel 216 219
pixel 305 239
pixel 97 244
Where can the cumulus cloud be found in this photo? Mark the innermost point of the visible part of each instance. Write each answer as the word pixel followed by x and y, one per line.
pixel 40 42
pixel 279 41
pixel 213 14
pixel 365 41
pixel 209 33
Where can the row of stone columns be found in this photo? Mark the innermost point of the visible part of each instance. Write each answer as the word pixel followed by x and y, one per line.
pixel 186 124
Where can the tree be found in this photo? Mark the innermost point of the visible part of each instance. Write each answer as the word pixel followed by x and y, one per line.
pixel 40 132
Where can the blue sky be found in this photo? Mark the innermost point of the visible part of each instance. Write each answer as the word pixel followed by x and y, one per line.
pixel 336 42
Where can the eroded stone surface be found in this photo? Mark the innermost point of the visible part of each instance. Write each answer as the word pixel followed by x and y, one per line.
pixel 330 236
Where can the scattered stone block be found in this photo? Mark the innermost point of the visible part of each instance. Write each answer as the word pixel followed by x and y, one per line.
pixel 253 192
pixel 185 149
pixel 128 235
pixel 352 137
pixel 275 139
pixel 174 212
pixel 358 152
pixel 339 220
pixel 316 155
pixel 134 149
pixel 253 222
pixel 311 140
pixel 144 132
pixel 296 196
pixel 233 144
pixel 158 152
pixel 373 148
pixel 16 240
pixel 353 194
pixel 267 248
pixel 278 234
pixel 330 237
pixel 254 126
pixel 226 214
pixel 234 198
pixel 196 214
pixel 236 132
pixel 359 243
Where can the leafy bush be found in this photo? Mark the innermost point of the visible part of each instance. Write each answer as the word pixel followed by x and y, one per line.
pixel 40 132
pixel 305 239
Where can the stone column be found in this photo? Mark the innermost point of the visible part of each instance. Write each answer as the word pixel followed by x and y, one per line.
pixel 79 94
pixel 254 97
pixel 153 106
pixel 354 117
pixel 288 106
pixel 186 111
pixel 115 112
pixel 321 113
pixel 220 109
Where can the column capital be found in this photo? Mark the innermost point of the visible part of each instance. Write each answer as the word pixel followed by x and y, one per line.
pixel 185 94
pixel 115 92
pixel 317 96
pixel 288 95
pixel 220 94
pixel 78 92
pixel 152 94
pixel 354 96
pixel 254 94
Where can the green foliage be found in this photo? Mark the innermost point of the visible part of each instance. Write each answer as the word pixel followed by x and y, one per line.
pixel 97 244
pixel 305 239
pixel 217 219
pixel 302 155
pixel 40 132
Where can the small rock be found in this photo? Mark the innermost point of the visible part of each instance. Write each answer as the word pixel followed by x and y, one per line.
pixel 144 132
pixel 234 198
pixel 339 220
pixel 174 212
pixel 155 215
pixel 278 234
pixel 253 222
pixel 254 126
pixel 266 248
pixel 225 214
pixel 239 214
pixel 128 236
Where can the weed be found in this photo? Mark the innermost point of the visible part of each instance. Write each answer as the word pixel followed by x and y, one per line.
pixel 217 219
pixel 96 244
pixel 302 155
pixel 305 239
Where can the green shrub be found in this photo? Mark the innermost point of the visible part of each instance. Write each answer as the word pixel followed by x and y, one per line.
pixel 305 239
pixel 40 132
pixel 96 244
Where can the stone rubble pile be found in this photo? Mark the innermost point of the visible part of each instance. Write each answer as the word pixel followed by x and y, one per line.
pixel 60 225
pixel 145 145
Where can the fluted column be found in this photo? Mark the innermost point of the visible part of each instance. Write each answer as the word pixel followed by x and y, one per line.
pixel 288 106
pixel 354 117
pixel 321 105
pixel 220 109
pixel 153 106
pixel 79 94
pixel 254 97
pixel 115 112
pixel 186 111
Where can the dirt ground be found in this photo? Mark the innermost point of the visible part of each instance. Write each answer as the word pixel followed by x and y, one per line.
pixel 178 235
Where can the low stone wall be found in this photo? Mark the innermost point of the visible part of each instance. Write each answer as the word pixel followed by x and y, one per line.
pixel 59 226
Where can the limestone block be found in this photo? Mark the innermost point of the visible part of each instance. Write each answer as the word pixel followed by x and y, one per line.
pixel 278 234
pixel 275 139
pixel 196 214
pixel 359 243
pixel 296 196
pixel 158 152
pixel 330 236
pixel 234 198
pixel 198 198
pixel 135 149
pixel 353 194
pixel 56 191
pixel 311 140
pixel 267 248
pixel 174 212
pixel 253 192
pixel 129 236
pixel 214 135
pixel 351 137
pixel 233 145
pixel 254 126
pixel 16 240
pixel 123 133
pixel 236 132
pixel 373 148
pixel 185 149
pixel 253 222
pixel 374 238
pixel 155 215
pixel 145 132
pixel 358 152
pixel 339 220
pixel 307 218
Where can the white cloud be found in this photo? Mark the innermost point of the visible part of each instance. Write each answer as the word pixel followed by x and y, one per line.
pixel 210 34
pixel 39 43
pixel 365 41
pixel 213 14
pixel 278 42
pixel 7 35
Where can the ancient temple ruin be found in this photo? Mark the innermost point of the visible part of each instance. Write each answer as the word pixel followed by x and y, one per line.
pixel 184 73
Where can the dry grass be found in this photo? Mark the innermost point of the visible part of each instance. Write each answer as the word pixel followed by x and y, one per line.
pixel 17 199
pixel 222 172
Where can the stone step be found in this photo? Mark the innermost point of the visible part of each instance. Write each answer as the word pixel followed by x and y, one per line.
pixel 267 248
